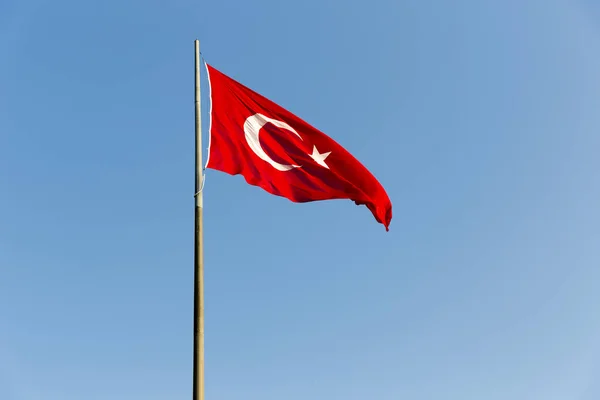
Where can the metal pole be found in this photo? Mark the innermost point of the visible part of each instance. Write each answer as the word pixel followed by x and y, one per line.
pixel 198 386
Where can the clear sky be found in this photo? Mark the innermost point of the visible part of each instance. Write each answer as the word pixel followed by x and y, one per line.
pixel 480 118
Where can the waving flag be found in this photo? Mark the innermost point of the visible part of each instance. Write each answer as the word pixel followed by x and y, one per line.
pixel 279 152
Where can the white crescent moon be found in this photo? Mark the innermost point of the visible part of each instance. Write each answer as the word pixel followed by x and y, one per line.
pixel 252 127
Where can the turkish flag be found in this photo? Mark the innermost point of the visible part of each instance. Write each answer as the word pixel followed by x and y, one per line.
pixel 277 151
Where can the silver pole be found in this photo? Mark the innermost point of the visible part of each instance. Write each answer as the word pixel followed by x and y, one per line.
pixel 198 386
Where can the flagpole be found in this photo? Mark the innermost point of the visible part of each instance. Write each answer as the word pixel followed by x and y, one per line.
pixel 198 374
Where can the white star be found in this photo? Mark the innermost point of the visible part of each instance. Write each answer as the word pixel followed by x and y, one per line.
pixel 319 157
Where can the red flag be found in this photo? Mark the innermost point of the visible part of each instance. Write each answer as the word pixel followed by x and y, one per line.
pixel 277 151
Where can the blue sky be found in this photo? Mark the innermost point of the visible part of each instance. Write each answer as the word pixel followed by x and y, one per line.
pixel 480 118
